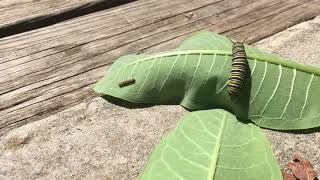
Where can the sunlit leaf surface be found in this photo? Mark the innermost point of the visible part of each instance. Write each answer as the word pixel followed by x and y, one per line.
pixel 278 94
pixel 209 145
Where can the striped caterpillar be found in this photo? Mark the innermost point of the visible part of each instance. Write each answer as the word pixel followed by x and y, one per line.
pixel 239 69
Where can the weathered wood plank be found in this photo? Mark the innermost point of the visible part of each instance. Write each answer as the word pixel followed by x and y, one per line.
pixel 50 69
pixel 23 15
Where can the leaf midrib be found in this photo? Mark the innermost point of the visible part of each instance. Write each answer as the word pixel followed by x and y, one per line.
pixel 259 57
pixel 215 154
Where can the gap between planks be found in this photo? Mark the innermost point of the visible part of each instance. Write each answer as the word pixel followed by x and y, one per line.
pixel 19 17
pixel 47 70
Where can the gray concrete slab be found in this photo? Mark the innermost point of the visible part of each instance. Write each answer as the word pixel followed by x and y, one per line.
pixel 94 140
pixel 100 140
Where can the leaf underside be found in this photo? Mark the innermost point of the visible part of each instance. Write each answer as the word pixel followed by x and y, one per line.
pixel 278 93
pixel 209 145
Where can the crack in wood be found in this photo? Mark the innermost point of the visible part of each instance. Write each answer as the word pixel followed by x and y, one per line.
pixel 50 19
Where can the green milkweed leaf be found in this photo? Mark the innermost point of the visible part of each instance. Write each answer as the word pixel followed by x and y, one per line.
pixel 278 93
pixel 213 144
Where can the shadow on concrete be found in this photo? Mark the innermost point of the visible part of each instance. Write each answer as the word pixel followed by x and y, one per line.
pixel 300 131
pixel 124 103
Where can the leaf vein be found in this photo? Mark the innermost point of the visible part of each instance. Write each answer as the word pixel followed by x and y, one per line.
pixel 171 170
pixel 260 85
pixel 184 65
pixel 175 61
pixel 145 80
pixel 194 75
pixel 274 91
pixel 157 75
pixel 211 67
pixel 307 94
pixel 204 127
pixel 194 143
pixel 243 144
pixel 270 59
pixel 290 95
pixel 242 168
pixel 186 159
pixel 216 149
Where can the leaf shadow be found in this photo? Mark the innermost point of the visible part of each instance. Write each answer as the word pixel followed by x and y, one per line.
pixel 300 131
pixel 132 105
pixel 239 105
pixel 241 102
pixel 126 104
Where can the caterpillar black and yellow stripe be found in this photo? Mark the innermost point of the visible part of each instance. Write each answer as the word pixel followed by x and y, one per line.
pixel 239 68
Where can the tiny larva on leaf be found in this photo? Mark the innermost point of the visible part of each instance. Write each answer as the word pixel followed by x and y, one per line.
pixel 127 82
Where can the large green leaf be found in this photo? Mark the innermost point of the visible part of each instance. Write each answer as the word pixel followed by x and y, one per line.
pixel 281 94
pixel 209 145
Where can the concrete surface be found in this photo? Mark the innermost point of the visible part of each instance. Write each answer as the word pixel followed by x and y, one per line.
pixel 100 140
pixel 94 140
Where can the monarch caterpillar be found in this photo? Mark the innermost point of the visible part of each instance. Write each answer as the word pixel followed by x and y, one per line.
pixel 239 68
pixel 127 82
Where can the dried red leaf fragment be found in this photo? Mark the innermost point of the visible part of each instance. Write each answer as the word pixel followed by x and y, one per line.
pixel 287 176
pixel 301 169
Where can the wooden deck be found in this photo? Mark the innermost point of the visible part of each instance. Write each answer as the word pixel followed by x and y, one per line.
pixel 52 52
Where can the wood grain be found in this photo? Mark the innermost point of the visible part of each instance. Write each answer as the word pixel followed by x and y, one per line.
pixel 47 70
pixel 24 15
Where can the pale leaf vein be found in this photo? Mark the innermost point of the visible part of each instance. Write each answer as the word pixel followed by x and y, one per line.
pixel 290 95
pixel 261 82
pixel 274 91
pixel 307 94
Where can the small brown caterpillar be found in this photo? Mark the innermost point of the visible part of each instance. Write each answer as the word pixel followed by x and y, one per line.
pixel 127 82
